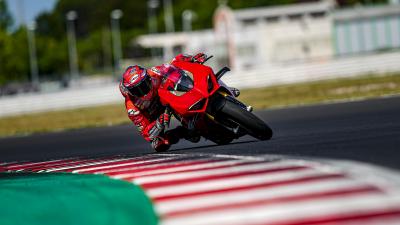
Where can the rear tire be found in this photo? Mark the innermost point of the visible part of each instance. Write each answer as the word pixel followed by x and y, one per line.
pixel 246 120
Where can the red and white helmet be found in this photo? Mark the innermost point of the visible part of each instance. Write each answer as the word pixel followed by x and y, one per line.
pixel 136 81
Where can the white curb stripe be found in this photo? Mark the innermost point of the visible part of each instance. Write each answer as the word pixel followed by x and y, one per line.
pixel 78 165
pixel 242 190
pixel 280 213
pixel 230 182
pixel 99 166
pixel 230 170
pixel 29 164
pixel 210 164
pixel 165 207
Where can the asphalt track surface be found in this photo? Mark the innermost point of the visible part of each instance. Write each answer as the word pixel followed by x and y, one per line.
pixel 366 131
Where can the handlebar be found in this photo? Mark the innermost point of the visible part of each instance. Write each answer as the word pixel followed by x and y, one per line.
pixel 209 57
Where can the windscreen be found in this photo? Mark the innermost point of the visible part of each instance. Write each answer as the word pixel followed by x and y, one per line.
pixel 178 81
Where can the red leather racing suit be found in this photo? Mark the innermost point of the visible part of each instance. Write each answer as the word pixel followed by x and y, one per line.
pixel 146 112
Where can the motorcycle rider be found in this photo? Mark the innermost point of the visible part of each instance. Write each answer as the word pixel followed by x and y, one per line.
pixel 140 86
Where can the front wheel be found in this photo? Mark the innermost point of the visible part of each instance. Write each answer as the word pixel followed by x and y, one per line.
pixel 246 120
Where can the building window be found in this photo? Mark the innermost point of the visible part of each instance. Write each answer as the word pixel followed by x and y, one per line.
pixel 295 17
pixel 248 22
pixel 318 14
pixel 272 19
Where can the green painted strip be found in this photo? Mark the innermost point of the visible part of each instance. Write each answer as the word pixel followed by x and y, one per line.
pixel 72 199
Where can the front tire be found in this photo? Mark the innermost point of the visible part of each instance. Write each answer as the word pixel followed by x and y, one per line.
pixel 246 120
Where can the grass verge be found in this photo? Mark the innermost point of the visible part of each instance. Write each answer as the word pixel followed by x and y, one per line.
pixel 259 98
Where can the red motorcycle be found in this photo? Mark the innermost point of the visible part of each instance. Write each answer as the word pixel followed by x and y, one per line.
pixel 206 106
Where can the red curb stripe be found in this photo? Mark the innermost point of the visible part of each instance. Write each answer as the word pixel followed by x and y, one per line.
pixel 238 163
pixel 231 174
pixel 106 163
pixel 8 163
pixel 66 164
pixel 92 167
pixel 169 166
pixel 249 187
pixel 340 218
pixel 271 201
pixel 27 165
pixel 128 166
pixel 123 160
pixel 40 166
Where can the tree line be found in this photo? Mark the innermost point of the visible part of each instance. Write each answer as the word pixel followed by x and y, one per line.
pixel 93 32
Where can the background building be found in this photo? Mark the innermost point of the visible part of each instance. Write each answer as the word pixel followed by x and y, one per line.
pixel 366 29
pixel 299 33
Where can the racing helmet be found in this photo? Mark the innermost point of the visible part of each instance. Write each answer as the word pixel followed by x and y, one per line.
pixel 136 81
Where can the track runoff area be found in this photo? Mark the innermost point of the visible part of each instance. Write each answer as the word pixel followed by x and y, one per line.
pixel 194 189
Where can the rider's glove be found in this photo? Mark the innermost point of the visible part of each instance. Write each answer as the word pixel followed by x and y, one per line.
pixel 165 118
pixel 200 58
pixel 158 126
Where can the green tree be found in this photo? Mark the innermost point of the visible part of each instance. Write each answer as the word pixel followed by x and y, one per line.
pixel 5 16
pixel 14 56
pixel 93 35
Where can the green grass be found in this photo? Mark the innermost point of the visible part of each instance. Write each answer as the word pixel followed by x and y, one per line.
pixel 259 98
pixel 321 91
pixel 63 120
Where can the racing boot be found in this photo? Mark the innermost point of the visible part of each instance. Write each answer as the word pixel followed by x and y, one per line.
pixel 160 145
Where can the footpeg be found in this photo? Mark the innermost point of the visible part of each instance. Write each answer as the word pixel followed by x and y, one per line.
pixel 235 92
pixel 249 108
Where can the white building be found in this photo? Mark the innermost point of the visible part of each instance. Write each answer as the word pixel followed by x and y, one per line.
pixel 250 37
pixel 258 37
pixel 366 29
pixel 276 34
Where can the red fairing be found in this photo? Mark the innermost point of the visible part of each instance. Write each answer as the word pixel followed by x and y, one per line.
pixel 182 102
pixel 182 58
pixel 144 111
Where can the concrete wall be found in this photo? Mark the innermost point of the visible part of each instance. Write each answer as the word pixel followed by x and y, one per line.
pixel 259 77
pixel 315 70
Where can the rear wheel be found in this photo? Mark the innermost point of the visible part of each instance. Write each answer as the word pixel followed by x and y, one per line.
pixel 246 120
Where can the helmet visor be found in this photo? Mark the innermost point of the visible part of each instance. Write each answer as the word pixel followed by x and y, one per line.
pixel 142 88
